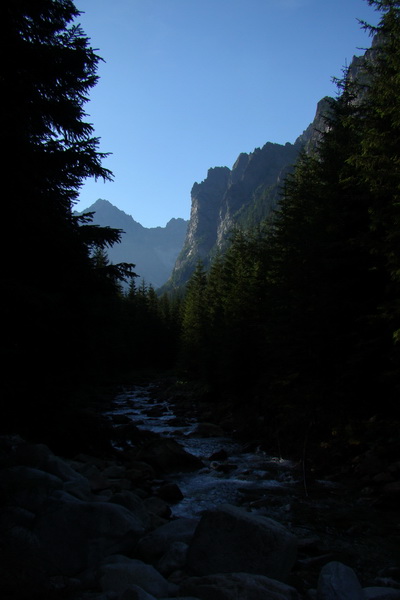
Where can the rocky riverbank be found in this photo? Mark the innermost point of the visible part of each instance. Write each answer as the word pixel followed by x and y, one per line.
pixel 102 527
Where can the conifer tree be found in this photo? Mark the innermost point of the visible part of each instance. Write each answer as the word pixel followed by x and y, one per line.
pixel 326 287
pixel 376 160
pixel 51 147
pixel 195 323
pixel 51 303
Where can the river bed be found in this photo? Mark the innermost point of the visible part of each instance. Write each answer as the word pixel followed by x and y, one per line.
pixel 234 474
pixel 342 524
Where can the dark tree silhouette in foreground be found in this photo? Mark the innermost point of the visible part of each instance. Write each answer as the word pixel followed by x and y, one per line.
pixel 53 293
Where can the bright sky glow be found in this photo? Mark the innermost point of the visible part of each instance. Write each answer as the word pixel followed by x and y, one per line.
pixel 190 84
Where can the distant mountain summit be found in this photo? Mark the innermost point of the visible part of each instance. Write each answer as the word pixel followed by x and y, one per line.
pixel 153 250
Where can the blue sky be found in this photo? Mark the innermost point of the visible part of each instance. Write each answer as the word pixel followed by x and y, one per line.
pixel 190 84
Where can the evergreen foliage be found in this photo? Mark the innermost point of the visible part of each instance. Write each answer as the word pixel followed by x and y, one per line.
pixel 195 323
pixel 57 302
pixel 302 313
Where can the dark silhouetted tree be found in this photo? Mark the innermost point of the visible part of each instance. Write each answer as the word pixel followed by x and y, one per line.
pixel 50 285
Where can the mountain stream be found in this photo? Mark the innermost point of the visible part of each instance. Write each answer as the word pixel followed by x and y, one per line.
pixel 334 523
pixel 230 473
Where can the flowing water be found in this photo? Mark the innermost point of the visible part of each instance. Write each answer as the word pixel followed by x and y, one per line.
pixel 346 526
pixel 228 477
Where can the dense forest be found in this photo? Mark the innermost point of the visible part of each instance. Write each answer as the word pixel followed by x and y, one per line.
pixel 298 323
pixel 294 329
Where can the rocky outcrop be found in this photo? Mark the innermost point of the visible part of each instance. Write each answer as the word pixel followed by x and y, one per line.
pixel 243 195
pixel 339 582
pixel 155 544
pixel 248 192
pixel 229 539
pixel 311 136
pixel 167 455
pixel 202 231
pixel 228 197
pixel 232 586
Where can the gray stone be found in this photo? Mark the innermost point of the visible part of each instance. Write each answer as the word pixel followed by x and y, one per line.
pixel 167 455
pixel 41 457
pixel 381 593
pixel 173 559
pixel 32 455
pixel 28 487
pixel 114 472
pixel 79 487
pixel 119 577
pixel 115 559
pixel 60 468
pixel 234 586
pixel 134 592
pixel 139 471
pixel 229 539
pixel 158 507
pixel 74 536
pixel 338 582
pixel 132 502
pixel 155 544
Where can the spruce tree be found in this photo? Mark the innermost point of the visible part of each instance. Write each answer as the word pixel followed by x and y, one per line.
pixel 377 159
pixel 51 303
pixel 195 323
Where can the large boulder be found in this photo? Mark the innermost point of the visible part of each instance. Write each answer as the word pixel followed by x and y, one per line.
pixel 75 535
pixel 24 455
pixel 174 559
pixel 234 586
pixel 27 487
pixel 155 544
pixel 135 504
pixel 134 592
pixel 157 507
pixel 338 582
pixel 229 539
pixel 381 593
pixel 120 576
pixel 166 455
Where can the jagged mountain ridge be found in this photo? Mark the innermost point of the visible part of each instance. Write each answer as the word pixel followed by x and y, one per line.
pixel 153 250
pixel 246 194
pixel 226 197
pixel 243 195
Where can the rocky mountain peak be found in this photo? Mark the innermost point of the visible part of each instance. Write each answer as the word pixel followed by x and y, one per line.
pixel 152 249
pixel 226 197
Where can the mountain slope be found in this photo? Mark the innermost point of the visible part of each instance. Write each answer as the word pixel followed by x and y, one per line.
pixel 244 195
pixel 153 250
pixel 247 192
